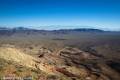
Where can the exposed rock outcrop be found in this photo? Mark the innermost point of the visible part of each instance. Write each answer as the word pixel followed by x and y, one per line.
pixel 69 62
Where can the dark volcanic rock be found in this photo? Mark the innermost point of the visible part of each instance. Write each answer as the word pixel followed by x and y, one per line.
pixel 75 55
pixel 98 67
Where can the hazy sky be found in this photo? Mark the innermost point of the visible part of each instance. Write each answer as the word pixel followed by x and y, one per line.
pixel 101 14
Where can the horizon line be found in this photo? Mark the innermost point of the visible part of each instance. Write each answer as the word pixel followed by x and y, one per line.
pixel 66 27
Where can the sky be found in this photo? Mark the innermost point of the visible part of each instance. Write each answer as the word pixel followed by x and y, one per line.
pixel 43 14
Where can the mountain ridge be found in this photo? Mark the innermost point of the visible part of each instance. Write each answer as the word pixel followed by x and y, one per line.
pixel 75 29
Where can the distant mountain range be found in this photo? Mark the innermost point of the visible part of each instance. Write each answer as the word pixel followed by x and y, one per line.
pixel 76 29
pixel 24 30
pixel 16 28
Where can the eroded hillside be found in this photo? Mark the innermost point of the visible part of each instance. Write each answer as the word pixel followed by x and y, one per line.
pixel 68 63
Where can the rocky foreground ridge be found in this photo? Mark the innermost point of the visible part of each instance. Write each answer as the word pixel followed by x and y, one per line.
pixel 66 64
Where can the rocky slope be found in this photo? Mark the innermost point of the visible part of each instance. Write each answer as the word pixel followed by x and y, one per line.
pixel 66 64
